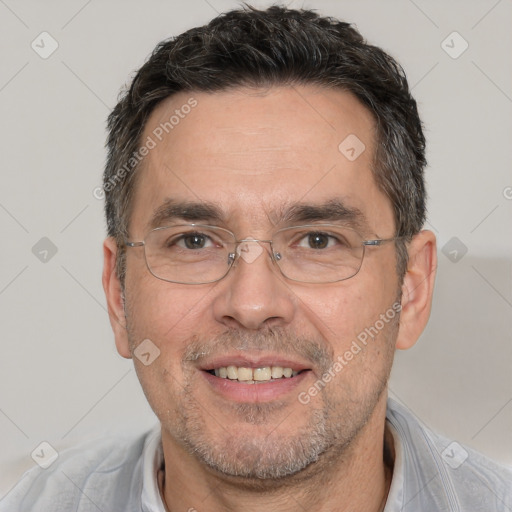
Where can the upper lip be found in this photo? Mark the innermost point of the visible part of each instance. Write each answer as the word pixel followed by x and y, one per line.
pixel 253 361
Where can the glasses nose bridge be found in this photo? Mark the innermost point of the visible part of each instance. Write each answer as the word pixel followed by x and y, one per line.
pixel 250 239
pixel 249 249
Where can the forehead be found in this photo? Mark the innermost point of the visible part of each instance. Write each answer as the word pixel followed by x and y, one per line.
pixel 254 153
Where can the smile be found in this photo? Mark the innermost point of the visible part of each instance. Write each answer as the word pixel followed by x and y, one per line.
pixel 253 377
pixel 249 375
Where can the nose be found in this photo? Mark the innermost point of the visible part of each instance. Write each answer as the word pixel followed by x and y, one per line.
pixel 254 294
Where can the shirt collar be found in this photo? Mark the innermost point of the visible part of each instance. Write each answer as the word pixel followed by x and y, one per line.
pixel 395 495
pixel 152 462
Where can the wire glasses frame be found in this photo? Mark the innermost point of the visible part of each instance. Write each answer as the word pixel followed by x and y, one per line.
pixel 203 254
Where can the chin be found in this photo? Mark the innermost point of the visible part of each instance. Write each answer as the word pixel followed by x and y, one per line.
pixel 262 446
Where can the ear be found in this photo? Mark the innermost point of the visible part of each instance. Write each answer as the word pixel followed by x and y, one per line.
pixel 417 288
pixel 114 295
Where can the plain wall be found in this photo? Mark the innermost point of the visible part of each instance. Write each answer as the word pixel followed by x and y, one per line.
pixel 61 379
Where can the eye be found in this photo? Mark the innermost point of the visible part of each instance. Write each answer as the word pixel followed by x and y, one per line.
pixel 192 241
pixel 317 240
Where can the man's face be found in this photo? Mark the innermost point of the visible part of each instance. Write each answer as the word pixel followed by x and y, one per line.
pixel 255 156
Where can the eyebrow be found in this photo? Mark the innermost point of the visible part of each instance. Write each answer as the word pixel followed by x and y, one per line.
pixel 190 211
pixel 334 210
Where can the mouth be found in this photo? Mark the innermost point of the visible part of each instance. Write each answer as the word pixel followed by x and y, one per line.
pixel 259 375
pixel 246 378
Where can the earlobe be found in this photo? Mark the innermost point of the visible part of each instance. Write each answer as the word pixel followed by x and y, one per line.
pixel 417 288
pixel 114 295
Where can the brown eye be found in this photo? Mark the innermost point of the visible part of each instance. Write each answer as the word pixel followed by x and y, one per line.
pixel 318 240
pixel 194 241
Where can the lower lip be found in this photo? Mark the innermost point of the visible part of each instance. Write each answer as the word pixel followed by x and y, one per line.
pixel 262 392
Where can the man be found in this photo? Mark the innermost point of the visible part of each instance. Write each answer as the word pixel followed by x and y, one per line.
pixel 265 202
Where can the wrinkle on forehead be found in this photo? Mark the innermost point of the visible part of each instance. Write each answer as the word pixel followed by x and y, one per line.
pixel 257 154
pixel 224 115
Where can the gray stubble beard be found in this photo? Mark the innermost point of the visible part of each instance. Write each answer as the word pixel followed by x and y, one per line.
pixel 274 459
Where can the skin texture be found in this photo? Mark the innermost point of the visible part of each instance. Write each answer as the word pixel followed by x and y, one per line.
pixel 254 153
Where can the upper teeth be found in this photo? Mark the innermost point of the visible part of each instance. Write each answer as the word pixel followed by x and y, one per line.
pixel 250 375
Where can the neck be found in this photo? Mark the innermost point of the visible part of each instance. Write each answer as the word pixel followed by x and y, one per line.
pixel 357 479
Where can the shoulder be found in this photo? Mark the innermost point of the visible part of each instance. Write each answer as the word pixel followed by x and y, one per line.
pixel 104 474
pixel 444 473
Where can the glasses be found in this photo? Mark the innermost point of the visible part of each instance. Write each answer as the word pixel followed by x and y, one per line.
pixel 201 254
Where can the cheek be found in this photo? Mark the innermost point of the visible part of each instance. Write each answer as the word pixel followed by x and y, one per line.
pixel 338 311
pixel 165 308
pixel 342 311
pixel 169 318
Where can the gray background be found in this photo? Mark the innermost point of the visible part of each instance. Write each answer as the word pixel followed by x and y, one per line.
pixel 61 379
